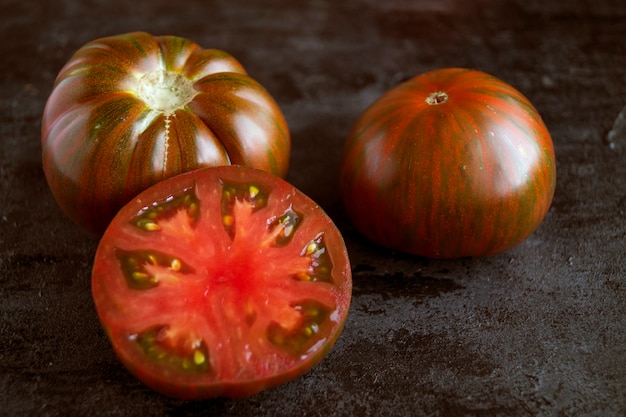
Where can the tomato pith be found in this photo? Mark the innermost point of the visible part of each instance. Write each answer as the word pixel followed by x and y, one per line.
pixel 221 282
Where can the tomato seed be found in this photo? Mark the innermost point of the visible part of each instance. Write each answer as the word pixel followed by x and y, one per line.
pixel 148 225
pixel 254 191
pixel 175 265
pixel 310 248
pixel 302 276
pixel 151 227
pixel 139 276
pixel 287 230
pixel 198 357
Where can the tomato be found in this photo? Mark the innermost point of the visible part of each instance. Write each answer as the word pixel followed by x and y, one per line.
pixel 130 110
pixel 221 281
pixel 451 163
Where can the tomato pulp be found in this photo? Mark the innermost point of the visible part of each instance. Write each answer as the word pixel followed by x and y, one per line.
pixel 448 164
pixel 222 281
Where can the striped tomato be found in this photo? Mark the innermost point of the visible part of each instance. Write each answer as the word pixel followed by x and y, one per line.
pixel 128 111
pixel 451 163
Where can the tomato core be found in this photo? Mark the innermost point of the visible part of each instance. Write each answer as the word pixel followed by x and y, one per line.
pixel 233 274
pixel 438 97
pixel 165 91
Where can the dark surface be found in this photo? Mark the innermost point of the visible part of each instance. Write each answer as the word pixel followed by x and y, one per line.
pixel 539 330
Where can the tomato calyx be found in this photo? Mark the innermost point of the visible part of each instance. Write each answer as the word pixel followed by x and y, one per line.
pixel 165 91
pixel 438 97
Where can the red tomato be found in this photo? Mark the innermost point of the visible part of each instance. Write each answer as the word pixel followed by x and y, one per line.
pixel 221 282
pixel 451 163
pixel 128 111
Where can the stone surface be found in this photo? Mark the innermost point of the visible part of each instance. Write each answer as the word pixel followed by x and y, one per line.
pixel 537 331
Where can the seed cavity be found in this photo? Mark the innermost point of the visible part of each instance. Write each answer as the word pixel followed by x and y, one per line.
pixel 321 266
pixel 148 218
pixel 160 345
pixel 134 265
pixel 250 194
pixel 301 338
pixel 284 226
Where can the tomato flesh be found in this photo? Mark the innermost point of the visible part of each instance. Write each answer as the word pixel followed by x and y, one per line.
pixel 221 282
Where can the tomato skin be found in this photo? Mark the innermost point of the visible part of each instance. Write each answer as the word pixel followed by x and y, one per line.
pixel 451 163
pixel 259 287
pixel 103 143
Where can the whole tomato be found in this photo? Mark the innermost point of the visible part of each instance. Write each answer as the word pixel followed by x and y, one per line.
pixel 130 110
pixel 451 163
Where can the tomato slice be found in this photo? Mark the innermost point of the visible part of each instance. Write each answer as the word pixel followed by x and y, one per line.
pixel 222 281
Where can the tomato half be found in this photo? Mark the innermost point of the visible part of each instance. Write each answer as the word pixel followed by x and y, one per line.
pixel 451 163
pixel 222 281
pixel 130 110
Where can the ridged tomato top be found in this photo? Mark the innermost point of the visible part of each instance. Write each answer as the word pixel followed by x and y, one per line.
pixel 130 110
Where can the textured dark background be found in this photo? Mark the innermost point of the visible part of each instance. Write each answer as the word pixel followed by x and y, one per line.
pixel 537 331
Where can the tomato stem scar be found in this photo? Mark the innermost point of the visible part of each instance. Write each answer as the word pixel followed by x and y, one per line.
pixel 165 91
pixel 438 97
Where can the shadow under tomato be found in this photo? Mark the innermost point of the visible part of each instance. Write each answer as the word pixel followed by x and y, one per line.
pixel 415 285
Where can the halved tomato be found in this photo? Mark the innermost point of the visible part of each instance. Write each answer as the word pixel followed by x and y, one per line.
pixel 222 281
